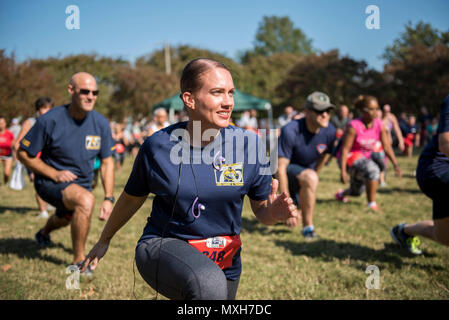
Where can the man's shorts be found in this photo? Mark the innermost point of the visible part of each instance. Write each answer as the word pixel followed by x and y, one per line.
pixel 436 189
pixel 51 192
pixel 119 157
pixel 7 157
pixel 293 185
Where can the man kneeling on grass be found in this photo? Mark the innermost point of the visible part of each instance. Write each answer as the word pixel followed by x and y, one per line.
pixel 70 137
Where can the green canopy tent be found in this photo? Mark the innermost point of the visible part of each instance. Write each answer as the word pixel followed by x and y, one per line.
pixel 242 101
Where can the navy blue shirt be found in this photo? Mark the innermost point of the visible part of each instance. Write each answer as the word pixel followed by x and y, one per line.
pixel 156 170
pixel 432 162
pixel 303 147
pixel 69 144
pixel 410 129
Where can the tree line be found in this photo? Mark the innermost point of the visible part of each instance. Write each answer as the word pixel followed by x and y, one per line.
pixel 283 67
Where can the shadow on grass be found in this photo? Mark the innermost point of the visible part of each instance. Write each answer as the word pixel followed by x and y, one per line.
pixel 401 190
pixel 253 225
pixel 28 248
pixel 408 176
pixel 351 204
pixel 327 250
pixel 20 210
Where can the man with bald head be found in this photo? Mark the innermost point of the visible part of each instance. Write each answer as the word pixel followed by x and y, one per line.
pixel 159 121
pixel 70 137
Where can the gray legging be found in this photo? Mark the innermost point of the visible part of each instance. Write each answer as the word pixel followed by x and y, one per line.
pixel 184 273
pixel 362 170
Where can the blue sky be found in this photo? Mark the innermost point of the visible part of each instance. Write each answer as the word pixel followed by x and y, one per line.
pixel 129 29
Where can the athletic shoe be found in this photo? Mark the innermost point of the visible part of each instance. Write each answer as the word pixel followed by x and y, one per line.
pixel 42 240
pixel 373 207
pixel 405 241
pixel 42 215
pixel 340 197
pixel 309 235
pixel 88 273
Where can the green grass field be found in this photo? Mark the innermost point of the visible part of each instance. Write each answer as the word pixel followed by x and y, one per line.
pixel 277 262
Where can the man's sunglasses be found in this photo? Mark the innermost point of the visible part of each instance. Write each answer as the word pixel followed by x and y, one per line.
pixel 323 111
pixel 86 92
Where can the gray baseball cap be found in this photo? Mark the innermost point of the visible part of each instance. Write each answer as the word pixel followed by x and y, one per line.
pixel 318 101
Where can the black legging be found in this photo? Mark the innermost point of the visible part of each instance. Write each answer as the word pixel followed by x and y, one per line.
pixel 184 273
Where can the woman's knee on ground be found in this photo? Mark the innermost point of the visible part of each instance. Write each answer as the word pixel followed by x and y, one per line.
pixel 356 190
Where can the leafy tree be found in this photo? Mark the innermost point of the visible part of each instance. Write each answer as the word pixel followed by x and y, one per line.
pixel 421 78
pixel 181 55
pixel 421 34
pixel 261 75
pixel 277 34
pixel 417 72
pixel 342 78
pixel 138 89
pixel 104 69
pixel 20 85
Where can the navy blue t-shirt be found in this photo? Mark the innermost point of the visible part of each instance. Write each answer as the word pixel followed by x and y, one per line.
pixel 69 144
pixel 432 162
pixel 410 129
pixel 303 147
pixel 156 170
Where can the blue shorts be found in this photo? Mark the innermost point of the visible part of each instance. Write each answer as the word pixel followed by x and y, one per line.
pixel 436 189
pixel 293 170
pixel 51 192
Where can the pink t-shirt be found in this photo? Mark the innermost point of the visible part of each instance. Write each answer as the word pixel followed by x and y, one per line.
pixel 367 140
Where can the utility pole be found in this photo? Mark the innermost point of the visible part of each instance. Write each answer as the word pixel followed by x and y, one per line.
pixel 167 58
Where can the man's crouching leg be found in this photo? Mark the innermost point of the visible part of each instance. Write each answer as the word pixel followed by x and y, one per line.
pixel 82 202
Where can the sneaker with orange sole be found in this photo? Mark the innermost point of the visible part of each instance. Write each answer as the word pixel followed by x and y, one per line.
pixel 373 208
pixel 340 197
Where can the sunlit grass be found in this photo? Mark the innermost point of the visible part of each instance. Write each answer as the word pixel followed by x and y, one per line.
pixel 277 262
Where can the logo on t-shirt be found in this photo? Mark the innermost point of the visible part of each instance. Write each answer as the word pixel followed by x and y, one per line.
pixel 321 148
pixel 93 142
pixel 25 142
pixel 230 175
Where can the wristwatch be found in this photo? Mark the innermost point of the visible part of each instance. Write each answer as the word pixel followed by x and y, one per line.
pixel 112 199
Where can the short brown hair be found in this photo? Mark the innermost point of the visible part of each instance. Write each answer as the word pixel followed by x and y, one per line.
pixel 191 75
pixel 43 101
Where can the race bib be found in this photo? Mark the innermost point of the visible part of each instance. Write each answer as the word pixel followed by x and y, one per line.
pixel 220 249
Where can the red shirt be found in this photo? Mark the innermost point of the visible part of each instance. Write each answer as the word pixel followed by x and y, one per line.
pixel 6 139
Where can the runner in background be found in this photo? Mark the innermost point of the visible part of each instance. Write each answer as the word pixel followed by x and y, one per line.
pixel 364 137
pixel 6 145
pixel 42 105
pixel 304 147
